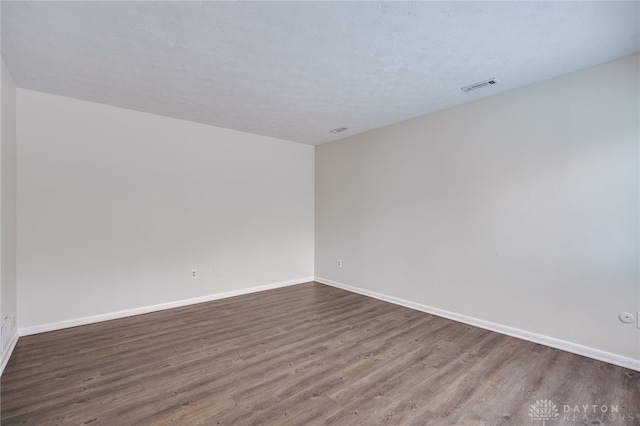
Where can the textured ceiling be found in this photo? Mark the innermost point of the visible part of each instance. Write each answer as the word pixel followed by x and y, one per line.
pixel 296 70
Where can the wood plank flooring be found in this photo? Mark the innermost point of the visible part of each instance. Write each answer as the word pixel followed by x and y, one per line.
pixel 306 354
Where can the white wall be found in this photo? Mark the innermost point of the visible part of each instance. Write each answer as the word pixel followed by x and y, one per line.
pixel 117 206
pixel 8 291
pixel 521 209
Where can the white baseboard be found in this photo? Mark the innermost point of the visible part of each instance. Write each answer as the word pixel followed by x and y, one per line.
pixel 25 331
pixel 564 345
pixel 6 354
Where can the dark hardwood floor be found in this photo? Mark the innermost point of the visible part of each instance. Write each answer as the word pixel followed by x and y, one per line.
pixel 306 354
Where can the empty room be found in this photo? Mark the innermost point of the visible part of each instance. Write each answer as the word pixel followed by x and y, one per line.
pixel 310 213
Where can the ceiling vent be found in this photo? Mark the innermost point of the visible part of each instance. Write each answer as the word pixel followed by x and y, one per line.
pixel 338 130
pixel 480 85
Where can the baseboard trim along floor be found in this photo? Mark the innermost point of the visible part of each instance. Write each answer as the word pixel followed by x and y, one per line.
pixel 564 345
pixel 6 353
pixel 26 331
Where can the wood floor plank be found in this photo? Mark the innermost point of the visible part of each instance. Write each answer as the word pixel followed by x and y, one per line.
pixel 305 354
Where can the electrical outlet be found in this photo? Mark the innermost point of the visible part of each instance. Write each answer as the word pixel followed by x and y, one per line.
pixel 194 273
pixel 339 263
pixel 7 331
pixel 216 272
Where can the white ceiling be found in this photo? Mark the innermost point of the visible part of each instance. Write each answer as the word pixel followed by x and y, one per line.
pixel 296 70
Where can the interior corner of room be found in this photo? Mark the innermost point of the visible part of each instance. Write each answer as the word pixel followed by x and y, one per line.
pixel 8 282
